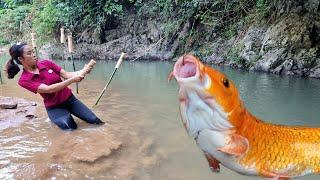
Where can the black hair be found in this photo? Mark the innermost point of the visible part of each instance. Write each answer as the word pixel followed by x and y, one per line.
pixel 15 52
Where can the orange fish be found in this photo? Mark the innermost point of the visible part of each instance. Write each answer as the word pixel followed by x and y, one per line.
pixel 228 134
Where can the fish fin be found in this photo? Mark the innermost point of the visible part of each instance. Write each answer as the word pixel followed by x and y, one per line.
pixel 237 145
pixel 273 175
pixel 170 76
pixel 213 163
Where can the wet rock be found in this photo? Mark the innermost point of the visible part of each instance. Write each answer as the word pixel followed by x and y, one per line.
pixel 215 59
pixel 315 72
pixel 252 42
pixel 15 110
pixel 270 60
pixel 89 150
pixel 8 105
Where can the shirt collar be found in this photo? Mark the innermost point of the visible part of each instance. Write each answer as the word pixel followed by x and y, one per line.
pixel 40 65
pixel 30 75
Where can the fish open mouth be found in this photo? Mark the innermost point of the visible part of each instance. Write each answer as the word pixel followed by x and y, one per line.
pixel 186 67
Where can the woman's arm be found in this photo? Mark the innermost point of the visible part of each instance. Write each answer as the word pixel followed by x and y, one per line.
pixel 68 75
pixel 43 88
pixel 85 70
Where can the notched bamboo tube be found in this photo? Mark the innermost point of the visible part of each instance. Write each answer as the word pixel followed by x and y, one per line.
pixel 87 68
pixel 70 43
pixel 120 60
pixel 62 37
pixel 33 40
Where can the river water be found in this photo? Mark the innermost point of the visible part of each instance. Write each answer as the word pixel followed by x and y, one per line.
pixel 141 110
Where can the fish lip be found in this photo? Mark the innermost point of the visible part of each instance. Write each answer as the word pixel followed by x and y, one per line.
pixel 179 64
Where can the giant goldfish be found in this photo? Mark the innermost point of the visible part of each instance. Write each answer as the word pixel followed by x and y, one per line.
pixel 228 134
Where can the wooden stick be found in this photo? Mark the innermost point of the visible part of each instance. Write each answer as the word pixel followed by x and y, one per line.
pixel 115 69
pixel 33 41
pixel 87 68
pixel 71 51
pixel 62 41
pixel 70 43
pixel 62 37
pixel 1 75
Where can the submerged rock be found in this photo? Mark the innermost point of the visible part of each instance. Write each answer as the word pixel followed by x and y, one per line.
pixel 14 110
pixel 8 105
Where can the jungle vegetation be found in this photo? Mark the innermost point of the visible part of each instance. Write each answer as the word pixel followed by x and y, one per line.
pixel 45 17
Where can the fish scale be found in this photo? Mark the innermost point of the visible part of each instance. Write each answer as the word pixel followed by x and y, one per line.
pixel 286 151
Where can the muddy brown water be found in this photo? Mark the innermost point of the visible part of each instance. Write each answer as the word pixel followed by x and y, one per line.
pixel 143 137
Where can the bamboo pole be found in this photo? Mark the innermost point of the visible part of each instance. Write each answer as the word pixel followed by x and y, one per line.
pixel 62 41
pixel 115 69
pixel 87 68
pixel 33 41
pixel 1 75
pixel 71 51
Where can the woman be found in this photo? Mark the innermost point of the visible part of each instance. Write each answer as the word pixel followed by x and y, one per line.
pixel 44 77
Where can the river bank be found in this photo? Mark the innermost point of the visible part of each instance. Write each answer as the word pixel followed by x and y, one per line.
pixel 288 43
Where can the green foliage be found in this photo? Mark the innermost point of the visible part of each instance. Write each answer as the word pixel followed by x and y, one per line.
pixel 76 16
pixel 203 51
pixel 229 31
pixel 47 16
pixel 10 22
pixel 233 54
pixel 112 8
pixel 170 27
pixel 13 3
pixel 264 7
pixel 46 20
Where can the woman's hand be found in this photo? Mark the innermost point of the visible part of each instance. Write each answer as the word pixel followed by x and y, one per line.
pixel 85 70
pixel 77 78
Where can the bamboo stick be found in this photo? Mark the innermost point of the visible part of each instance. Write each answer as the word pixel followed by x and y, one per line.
pixel 115 69
pixel 87 68
pixel 1 75
pixel 33 41
pixel 62 41
pixel 71 51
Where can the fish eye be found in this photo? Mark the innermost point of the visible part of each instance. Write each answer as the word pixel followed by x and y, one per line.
pixel 225 82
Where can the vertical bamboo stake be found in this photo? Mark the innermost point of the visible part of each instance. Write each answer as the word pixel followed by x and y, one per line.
pixel 20 26
pixel 1 75
pixel 115 70
pixel 33 41
pixel 71 51
pixel 62 41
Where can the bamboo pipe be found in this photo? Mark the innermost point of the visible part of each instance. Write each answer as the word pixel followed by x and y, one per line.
pixel 115 69
pixel 1 75
pixel 62 37
pixel 62 41
pixel 87 68
pixel 71 51
pixel 70 43
pixel 33 42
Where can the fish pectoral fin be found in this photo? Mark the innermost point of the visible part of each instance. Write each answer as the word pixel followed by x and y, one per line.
pixel 213 163
pixel 170 76
pixel 236 145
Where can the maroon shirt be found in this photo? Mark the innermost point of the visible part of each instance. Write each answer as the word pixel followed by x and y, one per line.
pixel 49 73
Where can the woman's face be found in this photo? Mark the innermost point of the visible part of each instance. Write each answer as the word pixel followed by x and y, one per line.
pixel 28 56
